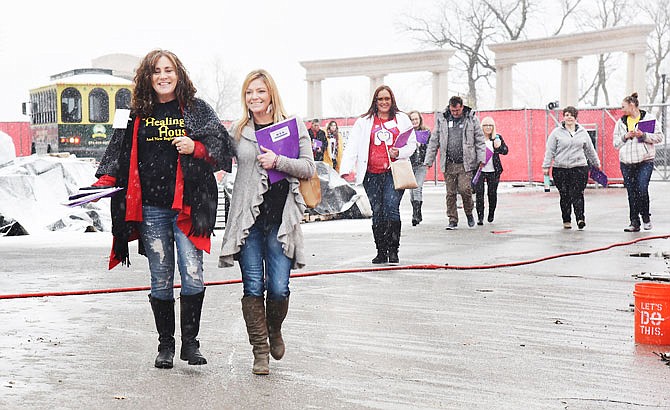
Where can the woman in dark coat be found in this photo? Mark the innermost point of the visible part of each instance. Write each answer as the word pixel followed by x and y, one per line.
pixel 165 159
pixel 491 171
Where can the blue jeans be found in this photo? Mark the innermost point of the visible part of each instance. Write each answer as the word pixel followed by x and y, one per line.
pixel 263 263
pixel 159 235
pixel 384 199
pixel 636 179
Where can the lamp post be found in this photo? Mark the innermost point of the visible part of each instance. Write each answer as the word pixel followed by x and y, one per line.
pixel 664 108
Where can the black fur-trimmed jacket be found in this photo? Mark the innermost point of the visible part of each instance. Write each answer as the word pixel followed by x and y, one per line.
pixel 200 188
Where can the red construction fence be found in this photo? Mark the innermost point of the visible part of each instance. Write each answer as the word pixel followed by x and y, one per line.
pixel 525 132
pixel 20 134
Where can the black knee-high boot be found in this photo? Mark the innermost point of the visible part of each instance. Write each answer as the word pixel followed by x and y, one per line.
pixel 381 242
pixel 394 241
pixel 164 318
pixel 191 308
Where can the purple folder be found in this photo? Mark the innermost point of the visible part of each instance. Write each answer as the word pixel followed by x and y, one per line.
pixel 283 139
pixel 402 139
pixel 316 144
pixel 598 176
pixel 89 194
pixel 422 136
pixel 647 126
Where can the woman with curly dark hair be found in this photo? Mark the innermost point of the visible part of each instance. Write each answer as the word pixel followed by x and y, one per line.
pixel 165 159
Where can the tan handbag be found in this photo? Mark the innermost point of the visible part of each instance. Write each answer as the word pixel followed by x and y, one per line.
pixel 403 175
pixel 310 189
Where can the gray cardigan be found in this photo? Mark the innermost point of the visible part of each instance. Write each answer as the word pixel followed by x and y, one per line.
pixel 251 182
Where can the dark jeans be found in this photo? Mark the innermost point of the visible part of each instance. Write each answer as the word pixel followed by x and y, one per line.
pixel 571 183
pixel 384 199
pixel 492 180
pixel 636 179
pixel 263 263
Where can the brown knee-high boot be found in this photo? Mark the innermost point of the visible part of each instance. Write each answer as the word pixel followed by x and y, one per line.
pixel 253 310
pixel 276 313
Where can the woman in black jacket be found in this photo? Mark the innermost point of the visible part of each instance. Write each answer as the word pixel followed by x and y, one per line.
pixel 491 171
pixel 165 159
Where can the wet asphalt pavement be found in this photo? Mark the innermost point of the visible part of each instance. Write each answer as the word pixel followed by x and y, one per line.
pixel 556 334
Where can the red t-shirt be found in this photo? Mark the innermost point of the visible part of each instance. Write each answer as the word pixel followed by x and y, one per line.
pixel 383 134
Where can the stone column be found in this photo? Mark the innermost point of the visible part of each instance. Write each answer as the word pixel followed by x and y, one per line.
pixel 440 90
pixel 508 89
pixel 635 75
pixel 375 81
pixel 569 82
pixel 314 103
pixel 500 85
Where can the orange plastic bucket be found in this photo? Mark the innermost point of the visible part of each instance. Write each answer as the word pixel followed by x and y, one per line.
pixel 652 313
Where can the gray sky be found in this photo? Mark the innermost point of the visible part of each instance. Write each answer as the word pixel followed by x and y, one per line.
pixel 43 37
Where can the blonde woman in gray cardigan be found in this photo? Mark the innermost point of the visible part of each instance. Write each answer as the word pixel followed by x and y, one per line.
pixel 263 225
pixel 571 151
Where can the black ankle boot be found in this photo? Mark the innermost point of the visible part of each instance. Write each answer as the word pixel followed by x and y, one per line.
pixel 191 308
pixel 164 318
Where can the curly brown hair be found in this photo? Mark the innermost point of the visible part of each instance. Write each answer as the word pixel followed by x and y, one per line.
pixel 144 96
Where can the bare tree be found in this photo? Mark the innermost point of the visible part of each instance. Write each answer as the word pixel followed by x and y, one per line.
pixel 469 26
pixel 607 14
pixel 568 7
pixel 512 15
pixel 220 87
pixel 658 11
pixel 465 27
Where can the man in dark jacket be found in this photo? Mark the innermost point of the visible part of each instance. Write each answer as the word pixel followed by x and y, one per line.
pixel 319 140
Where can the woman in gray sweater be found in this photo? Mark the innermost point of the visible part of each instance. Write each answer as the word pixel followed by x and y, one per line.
pixel 571 151
pixel 263 226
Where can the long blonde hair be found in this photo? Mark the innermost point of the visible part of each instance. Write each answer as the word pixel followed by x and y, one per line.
pixel 278 112
pixel 489 121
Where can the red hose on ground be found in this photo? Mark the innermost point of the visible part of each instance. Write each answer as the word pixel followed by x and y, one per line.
pixel 352 270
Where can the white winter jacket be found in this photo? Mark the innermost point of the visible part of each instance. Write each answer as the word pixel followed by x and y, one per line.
pixel 356 152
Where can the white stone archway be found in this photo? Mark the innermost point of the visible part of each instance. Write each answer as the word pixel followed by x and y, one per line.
pixel 376 68
pixel 569 49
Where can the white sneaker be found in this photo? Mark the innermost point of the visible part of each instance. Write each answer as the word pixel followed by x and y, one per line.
pixel 646 225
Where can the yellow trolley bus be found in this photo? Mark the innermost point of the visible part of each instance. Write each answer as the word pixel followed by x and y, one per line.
pixel 75 111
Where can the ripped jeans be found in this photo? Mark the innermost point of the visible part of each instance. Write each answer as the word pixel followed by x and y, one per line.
pixel 159 235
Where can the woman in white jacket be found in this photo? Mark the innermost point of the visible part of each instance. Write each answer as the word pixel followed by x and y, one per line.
pixel 366 159
pixel 636 158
